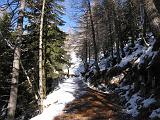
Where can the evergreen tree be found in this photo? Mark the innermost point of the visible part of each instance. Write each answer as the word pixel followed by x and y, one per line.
pixel 5 61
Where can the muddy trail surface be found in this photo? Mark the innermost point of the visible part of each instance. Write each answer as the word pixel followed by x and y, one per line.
pixel 90 104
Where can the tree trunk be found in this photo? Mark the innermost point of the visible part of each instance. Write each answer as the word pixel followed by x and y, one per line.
pixel 131 22
pixel 89 51
pixel 86 47
pixel 86 53
pixel 110 29
pixel 94 37
pixel 41 69
pixel 117 30
pixel 154 19
pixel 16 64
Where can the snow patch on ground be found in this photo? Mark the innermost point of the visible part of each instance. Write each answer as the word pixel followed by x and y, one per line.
pixel 56 101
pixel 77 66
pixel 125 87
pixel 135 101
pixel 103 64
pixel 148 102
pixel 133 56
pixel 155 114
pixel 132 107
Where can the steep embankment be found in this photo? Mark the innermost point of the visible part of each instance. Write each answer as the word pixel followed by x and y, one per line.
pixel 135 79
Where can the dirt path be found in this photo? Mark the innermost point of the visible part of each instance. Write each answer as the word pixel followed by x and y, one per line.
pixel 92 105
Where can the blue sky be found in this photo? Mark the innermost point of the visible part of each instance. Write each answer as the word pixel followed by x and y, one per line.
pixel 2 1
pixel 67 17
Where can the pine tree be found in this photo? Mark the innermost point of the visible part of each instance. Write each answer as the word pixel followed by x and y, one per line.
pixel 53 37
pixel 5 61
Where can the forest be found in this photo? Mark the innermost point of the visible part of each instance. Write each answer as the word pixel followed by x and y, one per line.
pixel 104 67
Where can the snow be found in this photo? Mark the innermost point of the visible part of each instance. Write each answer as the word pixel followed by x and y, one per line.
pixel 148 102
pixel 76 67
pixel 101 88
pixel 135 101
pixel 56 101
pixel 103 64
pixel 139 54
pixel 132 107
pixel 155 113
pixel 125 87
pixel 137 61
pixel 129 58
pixel 126 95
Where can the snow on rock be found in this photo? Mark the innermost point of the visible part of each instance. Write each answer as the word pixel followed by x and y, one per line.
pixel 100 88
pixel 138 54
pixel 133 56
pixel 103 64
pixel 134 103
pixel 124 91
pixel 126 95
pixel 103 88
pixel 132 106
pixel 155 114
pixel 125 87
pixel 148 102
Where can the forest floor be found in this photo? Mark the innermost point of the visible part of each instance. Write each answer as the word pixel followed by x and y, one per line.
pixel 92 105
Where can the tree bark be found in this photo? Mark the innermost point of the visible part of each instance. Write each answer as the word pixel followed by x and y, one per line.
pixel 131 22
pixel 89 51
pixel 154 19
pixel 41 71
pixel 86 53
pixel 117 30
pixel 16 64
pixel 86 47
pixel 94 37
